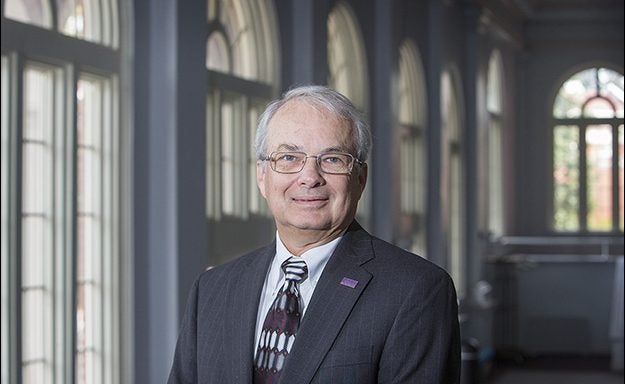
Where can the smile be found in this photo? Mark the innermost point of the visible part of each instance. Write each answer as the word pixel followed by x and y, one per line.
pixel 310 200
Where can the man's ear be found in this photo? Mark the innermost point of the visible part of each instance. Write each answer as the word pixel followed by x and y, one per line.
pixel 261 168
pixel 362 176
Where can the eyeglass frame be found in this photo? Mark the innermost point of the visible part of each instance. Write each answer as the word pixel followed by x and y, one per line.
pixel 317 157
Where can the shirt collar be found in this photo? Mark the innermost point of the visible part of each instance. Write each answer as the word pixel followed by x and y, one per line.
pixel 315 258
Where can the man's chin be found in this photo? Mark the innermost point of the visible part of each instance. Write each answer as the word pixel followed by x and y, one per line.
pixel 310 225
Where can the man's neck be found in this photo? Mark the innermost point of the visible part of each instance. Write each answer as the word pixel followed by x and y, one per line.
pixel 299 241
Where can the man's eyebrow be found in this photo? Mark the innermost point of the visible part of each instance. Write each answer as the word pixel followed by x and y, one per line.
pixel 335 149
pixel 288 147
pixel 294 147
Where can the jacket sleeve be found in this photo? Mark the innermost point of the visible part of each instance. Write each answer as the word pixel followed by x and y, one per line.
pixel 184 368
pixel 423 345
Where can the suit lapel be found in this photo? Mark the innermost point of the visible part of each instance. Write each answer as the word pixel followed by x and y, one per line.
pixel 245 295
pixel 331 304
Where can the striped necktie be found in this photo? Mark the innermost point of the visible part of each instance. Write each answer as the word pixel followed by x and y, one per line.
pixel 281 323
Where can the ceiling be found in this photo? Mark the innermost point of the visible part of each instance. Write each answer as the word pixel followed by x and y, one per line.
pixel 543 10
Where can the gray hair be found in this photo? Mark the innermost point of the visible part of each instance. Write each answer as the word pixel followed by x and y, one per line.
pixel 321 97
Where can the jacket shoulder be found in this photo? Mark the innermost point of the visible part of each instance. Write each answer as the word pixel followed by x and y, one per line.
pixel 403 263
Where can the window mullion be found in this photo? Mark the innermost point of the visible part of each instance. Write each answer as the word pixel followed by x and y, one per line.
pixel 15 189
pixel 615 179
pixel 583 180
pixel 65 225
pixel 242 150
pixel 54 14
pixel 110 188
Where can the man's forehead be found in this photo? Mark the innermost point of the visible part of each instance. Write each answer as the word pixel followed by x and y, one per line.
pixel 301 113
pixel 294 108
pixel 293 124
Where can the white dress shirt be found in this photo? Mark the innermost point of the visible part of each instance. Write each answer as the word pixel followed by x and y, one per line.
pixel 316 260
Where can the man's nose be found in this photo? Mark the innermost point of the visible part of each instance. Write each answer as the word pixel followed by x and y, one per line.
pixel 311 175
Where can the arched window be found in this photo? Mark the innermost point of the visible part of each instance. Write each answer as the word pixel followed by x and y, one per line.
pixel 242 63
pixel 412 120
pixel 347 61
pixel 347 64
pixel 452 187
pixel 494 106
pixel 242 39
pixel 62 151
pixel 588 152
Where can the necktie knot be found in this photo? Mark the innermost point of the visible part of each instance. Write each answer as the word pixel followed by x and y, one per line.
pixel 295 269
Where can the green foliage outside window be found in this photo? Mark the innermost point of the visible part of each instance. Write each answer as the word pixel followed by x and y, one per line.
pixel 566 178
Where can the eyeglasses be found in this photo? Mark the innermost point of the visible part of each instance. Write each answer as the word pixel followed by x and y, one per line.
pixel 335 163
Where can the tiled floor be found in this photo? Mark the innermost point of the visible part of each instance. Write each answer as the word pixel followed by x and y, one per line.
pixel 555 370
pixel 520 376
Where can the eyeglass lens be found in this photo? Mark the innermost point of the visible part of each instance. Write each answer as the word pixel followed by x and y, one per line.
pixel 293 162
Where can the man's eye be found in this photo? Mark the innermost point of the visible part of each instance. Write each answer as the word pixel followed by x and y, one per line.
pixel 287 157
pixel 333 159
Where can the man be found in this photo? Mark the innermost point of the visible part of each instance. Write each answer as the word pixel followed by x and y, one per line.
pixel 326 302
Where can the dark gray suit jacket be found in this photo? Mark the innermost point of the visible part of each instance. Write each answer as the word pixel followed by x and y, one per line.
pixel 399 324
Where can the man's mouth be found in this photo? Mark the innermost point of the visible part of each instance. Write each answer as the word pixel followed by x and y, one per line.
pixel 310 199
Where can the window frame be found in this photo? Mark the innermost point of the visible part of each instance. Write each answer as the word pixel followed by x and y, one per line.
pixel 581 123
pixel 71 58
pixel 452 177
pixel 249 95
pixel 349 75
pixel 248 79
pixel 492 182
pixel 412 124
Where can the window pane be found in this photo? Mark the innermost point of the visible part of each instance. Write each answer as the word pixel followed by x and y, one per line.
pixel 570 99
pixel 419 225
pixel 566 178
pixel 337 56
pixel 599 177
pixel 411 116
pixel 93 20
pixel 456 253
pixel 227 158
pixel 36 12
pixel 495 177
pixel 217 55
pixel 494 89
pixel 255 199
pixel 36 336
pixel 213 162
pixel 86 19
pixel 90 95
pixel 451 181
pixel 587 84
pixel 611 84
pixel 71 14
pixel 405 171
pixel 346 56
pixel 250 36
pixel 237 21
pixel 37 255
pixel 598 108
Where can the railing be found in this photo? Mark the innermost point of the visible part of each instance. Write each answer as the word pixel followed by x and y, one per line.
pixel 567 249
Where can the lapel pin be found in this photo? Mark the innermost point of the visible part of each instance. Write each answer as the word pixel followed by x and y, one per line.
pixel 349 282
